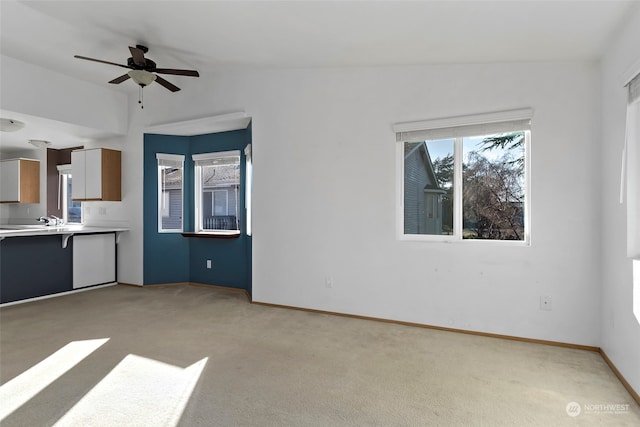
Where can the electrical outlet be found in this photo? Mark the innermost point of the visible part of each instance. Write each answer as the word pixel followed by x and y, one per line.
pixel 545 302
pixel 328 282
pixel 209 264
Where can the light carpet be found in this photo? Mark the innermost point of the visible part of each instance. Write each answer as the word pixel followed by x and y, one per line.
pixel 237 364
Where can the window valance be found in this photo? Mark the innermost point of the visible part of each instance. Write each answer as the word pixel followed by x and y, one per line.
pixel 452 127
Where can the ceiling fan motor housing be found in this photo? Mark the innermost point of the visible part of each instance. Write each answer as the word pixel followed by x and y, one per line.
pixel 150 65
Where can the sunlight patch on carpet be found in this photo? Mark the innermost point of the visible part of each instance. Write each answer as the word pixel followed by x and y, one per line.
pixel 22 388
pixel 138 391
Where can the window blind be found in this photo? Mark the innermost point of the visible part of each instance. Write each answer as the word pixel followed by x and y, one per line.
pixel 64 169
pixel 170 160
pixel 474 125
pixel 217 158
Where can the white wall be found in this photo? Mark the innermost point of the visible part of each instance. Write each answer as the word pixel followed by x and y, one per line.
pixel 620 329
pixel 34 90
pixel 129 212
pixel 324 193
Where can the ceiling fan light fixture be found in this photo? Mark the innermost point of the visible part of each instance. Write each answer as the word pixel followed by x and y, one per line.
pixel 10 125
pixel 39 143
pixel 142 77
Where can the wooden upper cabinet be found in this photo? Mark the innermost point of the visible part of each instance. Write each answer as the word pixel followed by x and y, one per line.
pixel 97 175
pixel 20 181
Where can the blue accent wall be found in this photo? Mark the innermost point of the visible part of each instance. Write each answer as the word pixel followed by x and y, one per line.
pixel 170 257
pixel 166 255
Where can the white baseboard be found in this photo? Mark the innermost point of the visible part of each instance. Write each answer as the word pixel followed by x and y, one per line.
pixel 90 288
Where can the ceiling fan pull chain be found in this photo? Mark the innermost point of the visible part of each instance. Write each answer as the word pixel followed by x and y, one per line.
pixel 141 97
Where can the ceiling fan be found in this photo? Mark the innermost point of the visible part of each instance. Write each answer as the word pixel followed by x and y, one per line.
pixel 143 69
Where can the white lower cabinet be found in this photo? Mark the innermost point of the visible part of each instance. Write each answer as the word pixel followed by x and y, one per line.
pixel 94 259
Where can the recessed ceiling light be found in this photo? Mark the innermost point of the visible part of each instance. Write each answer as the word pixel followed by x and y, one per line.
pixel 39 143
pixel 10 125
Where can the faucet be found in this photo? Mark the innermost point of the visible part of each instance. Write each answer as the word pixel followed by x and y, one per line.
pixel 50 220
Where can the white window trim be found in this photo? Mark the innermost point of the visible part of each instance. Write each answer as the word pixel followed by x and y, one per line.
pixel 630 172
pixel 417 131
pixel 169 160
pixel 248 187
pixel 199 159
pixel 166 199
pixel 633 204
pixel 64 171
pixel 64 206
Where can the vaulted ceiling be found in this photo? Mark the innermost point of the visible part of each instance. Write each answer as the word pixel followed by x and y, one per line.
pixel 206 35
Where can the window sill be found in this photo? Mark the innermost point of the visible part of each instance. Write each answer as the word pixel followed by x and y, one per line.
pixel 451 240
pixel 214 234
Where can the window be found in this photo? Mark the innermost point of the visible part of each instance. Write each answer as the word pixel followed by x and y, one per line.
pixel 71 210
pixel 631 168
pixel 217 191
pixel 630 180
pixel 464 178
pixel 248 186
pixel 170 192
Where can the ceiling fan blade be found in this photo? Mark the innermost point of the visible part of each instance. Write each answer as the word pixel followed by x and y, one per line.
pixel 101 61
pixel 170 86
pixel 190 73
pixel 138 56
pixel 120 79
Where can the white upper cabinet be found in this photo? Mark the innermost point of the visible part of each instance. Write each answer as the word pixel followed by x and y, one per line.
pixel 96 174
pixel 78 168
pixel 20 181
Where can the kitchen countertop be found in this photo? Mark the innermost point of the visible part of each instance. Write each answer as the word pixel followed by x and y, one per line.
pixel 11 230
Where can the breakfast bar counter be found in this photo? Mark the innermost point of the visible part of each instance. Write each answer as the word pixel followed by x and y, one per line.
pixel 37 261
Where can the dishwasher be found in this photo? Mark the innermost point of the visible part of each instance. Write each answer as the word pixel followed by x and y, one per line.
pixel 94 259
